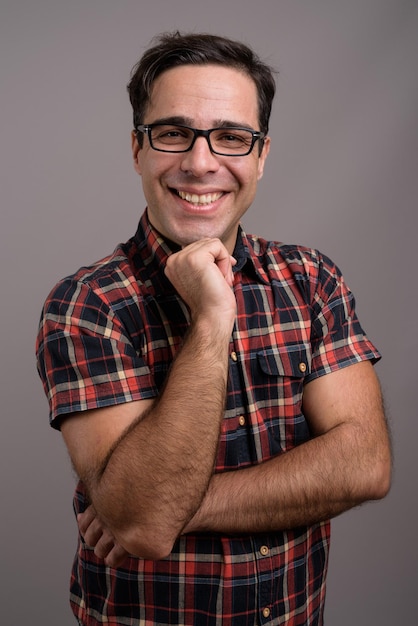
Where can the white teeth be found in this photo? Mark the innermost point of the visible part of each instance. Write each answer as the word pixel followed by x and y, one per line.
pixel 206 198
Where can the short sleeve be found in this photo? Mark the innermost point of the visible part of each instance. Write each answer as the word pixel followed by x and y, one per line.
pixel 85 356
pixel 337 338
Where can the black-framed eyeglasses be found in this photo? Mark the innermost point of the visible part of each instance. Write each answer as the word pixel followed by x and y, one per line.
pixel 225 140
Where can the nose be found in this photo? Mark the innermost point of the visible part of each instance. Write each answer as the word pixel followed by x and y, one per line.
pixel 199 160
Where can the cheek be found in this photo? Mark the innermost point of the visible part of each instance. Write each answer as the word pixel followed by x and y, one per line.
pixel 243 172
pixel 154 166
pixel 145 163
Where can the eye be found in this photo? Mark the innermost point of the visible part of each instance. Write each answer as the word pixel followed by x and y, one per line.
pixel 230 138
pixel 170 134
pixel 175 132
pixel 233 137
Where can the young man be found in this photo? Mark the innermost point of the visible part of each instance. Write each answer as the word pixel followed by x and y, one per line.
pixel 215 391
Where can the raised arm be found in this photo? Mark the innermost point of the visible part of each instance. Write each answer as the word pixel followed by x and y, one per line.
pixel 347 462
pixel 147 464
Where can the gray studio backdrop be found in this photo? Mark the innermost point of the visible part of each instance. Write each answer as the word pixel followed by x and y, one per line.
pixel 341 176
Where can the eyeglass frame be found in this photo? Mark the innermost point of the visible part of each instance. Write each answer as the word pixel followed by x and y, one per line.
pixel 257 135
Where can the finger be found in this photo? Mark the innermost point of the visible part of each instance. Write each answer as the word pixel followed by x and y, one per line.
pixel 215 252
pixel 223 260
pixel 202 275
pixel 212 247
pixel 116 556
pixel 230 277
pixel 104 544
pixel 93 532
pixel 229 274
pixel 85 519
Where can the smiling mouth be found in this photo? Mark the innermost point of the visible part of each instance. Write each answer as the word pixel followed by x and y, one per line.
pixel 199 200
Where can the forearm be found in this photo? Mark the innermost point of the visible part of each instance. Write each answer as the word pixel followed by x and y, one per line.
pixel 313 482
pixel 154 478
pixel 298 488
pixel 147 464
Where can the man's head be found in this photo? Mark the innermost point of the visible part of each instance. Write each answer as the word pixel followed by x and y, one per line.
pixel 174 49
pixel 205 148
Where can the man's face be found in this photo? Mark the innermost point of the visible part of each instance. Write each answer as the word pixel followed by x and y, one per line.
pixel 219 189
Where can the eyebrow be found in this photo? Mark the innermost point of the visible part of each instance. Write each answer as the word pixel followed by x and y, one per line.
pixel 178 120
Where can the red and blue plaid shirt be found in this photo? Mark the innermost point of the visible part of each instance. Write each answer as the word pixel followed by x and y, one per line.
pixel 108 335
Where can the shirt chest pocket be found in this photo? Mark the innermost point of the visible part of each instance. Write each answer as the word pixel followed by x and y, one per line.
pixel 294 361
pixel 281 374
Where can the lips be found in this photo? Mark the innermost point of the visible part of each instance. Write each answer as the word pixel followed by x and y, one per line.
pixel 199 199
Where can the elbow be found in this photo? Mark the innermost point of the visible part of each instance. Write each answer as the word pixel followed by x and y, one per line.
pixel 384 480
pixel 380 479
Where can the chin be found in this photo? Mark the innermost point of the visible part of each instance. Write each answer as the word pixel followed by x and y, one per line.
pixel 184 239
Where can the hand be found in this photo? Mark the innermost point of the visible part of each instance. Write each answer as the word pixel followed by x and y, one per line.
pixel 97 536
pixel 202 274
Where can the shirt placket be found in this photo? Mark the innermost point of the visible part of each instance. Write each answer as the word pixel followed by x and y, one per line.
pixel 239 401
pixel 260 546
pixel 265 601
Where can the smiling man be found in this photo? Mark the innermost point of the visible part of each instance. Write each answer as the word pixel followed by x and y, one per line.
pixel 215 391
pixel 199 193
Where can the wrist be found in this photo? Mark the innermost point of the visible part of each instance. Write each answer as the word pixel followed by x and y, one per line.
pixel 214 326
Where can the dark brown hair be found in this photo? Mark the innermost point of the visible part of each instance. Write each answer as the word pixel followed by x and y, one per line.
pixel 175 49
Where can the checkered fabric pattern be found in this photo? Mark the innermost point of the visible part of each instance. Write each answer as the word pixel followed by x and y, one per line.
pixel 108 335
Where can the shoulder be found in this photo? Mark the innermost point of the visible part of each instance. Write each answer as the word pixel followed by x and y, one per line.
pixel 292 261
pixel 107 280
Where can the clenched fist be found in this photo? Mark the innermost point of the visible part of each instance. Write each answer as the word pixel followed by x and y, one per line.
pixel 202 275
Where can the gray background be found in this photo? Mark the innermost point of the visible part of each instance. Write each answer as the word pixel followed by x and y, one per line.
pixel 341 176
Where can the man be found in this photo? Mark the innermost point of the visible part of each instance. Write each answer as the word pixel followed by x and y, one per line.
pixel 215 391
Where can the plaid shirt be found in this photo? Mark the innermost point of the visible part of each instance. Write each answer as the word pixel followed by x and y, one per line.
pixel 108 335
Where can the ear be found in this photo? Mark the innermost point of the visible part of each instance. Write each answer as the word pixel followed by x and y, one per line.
pixel 135 153
pixel 263 156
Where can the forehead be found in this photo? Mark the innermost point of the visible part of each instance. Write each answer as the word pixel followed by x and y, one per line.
pixel 204 94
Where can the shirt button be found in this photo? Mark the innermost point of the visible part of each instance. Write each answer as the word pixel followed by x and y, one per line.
pixel 264 550
pixel 302 367
pixel 234 356
pixel 241 420
pixel 266 612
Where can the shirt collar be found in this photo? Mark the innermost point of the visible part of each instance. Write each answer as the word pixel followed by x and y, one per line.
pixel 155 249
pixel 152 246
pixel 248 253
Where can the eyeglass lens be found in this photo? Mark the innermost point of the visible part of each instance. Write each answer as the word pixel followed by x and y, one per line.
pixel 222 140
